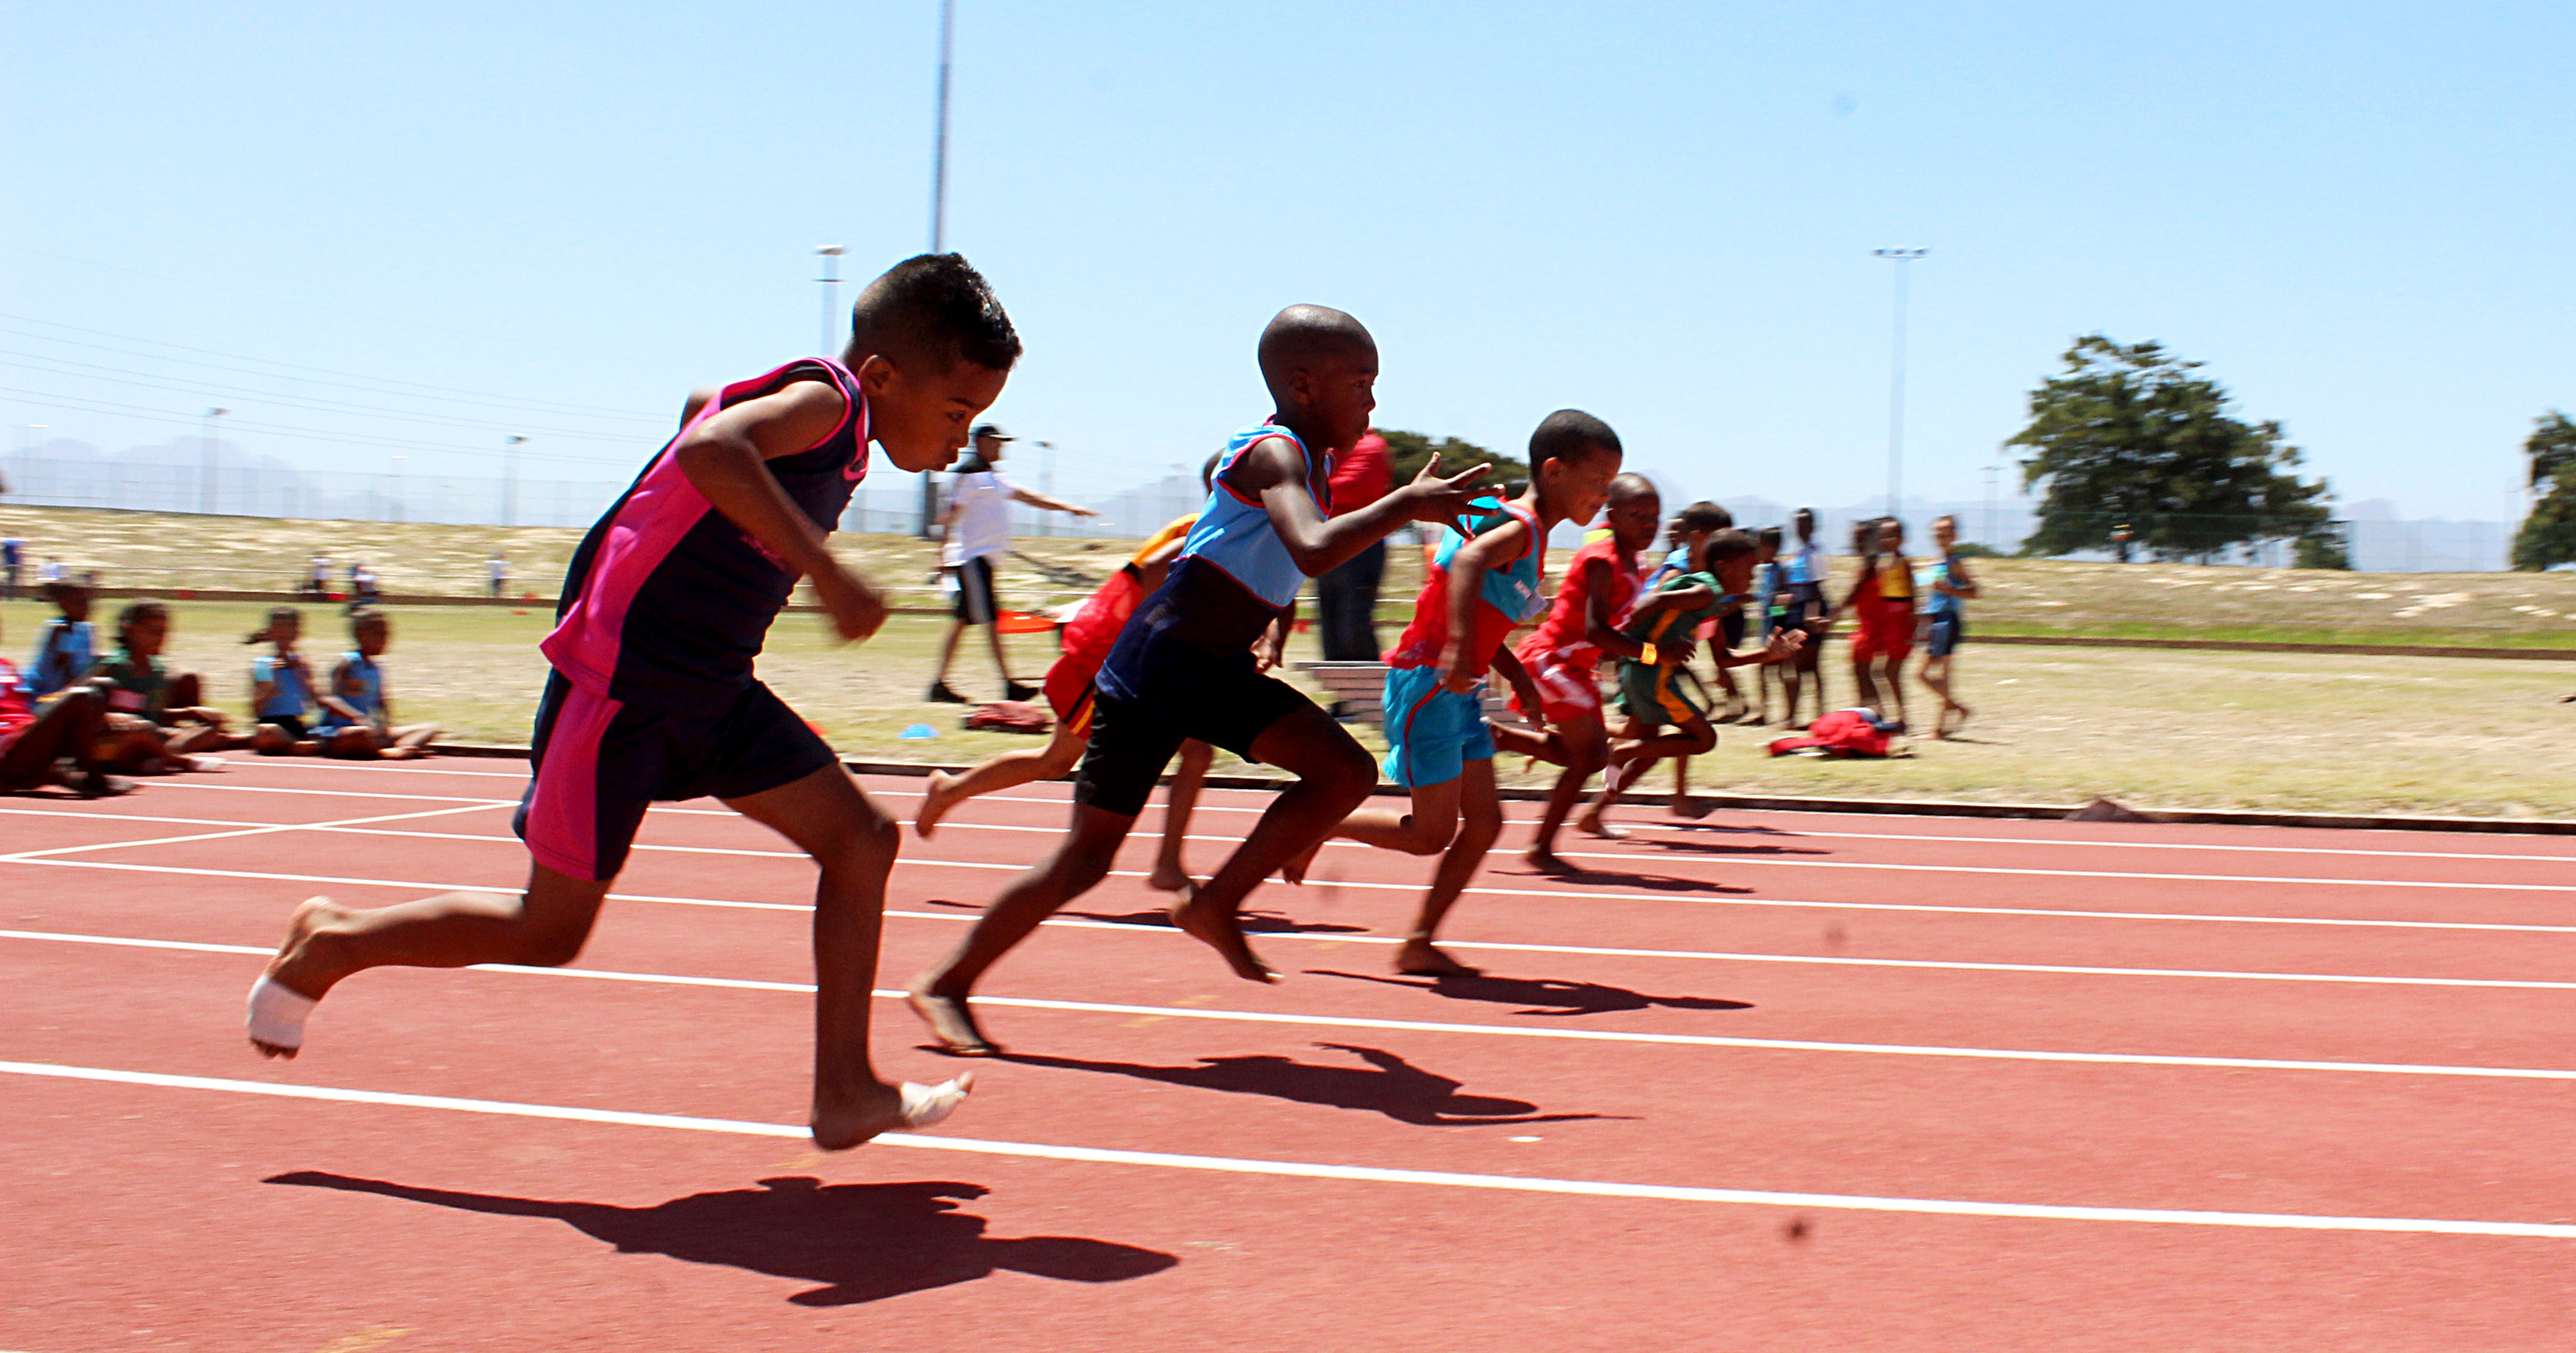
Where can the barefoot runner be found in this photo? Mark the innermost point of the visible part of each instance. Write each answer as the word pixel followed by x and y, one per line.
pixel 1563 654
pixel 667 603
pixel 1184 668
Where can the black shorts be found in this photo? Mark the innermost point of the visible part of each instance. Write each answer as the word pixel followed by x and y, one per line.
pixel 587 796
pixel 975 591
pixel 1133 740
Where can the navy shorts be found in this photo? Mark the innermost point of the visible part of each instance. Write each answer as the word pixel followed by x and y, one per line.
pixel 586 797
pixel 1948 628
pixel 975 604
pixel 1225 703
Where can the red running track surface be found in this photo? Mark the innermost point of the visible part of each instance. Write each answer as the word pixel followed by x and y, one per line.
pixel 1761 1081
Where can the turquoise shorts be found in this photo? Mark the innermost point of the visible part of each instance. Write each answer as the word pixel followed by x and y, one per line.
pixel 1431 734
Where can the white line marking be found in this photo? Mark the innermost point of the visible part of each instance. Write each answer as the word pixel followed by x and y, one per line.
pixel 35 856
pixel 1705 955
pixel 1436 1026
pixel 1302 1170
pixel 182 782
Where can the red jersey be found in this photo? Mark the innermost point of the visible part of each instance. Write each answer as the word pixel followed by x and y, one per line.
pixel 1507 594
pixel 1558 641
pixel 16 713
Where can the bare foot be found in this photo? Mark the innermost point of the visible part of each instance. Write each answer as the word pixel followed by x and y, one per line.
pixel 1686 806
pixel 1592 825
pixel 844 1118
pixel 1422 958
pixel 935 804
pixel 401 754
pixel 952 1023
pixel 1225 936
pixel 310 915
pixel 1168 879
pixel 1295 870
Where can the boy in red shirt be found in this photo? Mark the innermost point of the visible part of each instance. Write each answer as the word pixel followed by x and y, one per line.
pixel 1482 584
pixel 1883 599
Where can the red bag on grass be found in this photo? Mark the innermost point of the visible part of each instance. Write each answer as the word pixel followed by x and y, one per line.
pixel 1010 716
pixel 1843 733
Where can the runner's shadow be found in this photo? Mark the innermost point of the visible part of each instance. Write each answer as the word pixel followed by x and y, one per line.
pixel 1255 922
pixel 1661 883
pixel 1391 1086
pixel 1716 848
pixel 864 1242
pixel 1544 995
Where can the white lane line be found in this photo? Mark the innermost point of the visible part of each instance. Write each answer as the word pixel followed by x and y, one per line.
pixel 268 829
pixel 1439 1026
pixel 1704 955
pixel 1304 1170
pixel 1588 894
pixel 188 782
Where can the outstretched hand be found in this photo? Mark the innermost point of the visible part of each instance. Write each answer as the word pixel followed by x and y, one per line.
pixel 1784 644
pixel 1446 501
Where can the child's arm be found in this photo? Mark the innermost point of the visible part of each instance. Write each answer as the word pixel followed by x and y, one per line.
pixel 1273 471
pixel 1272 648
pixel 1509 664
pixel 1466 581
pixel 1784 645
pixel 724 457
pixel 1958 584
pixel 1154 567
pixel 331 699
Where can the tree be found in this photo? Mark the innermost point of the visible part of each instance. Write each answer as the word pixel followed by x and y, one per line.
pixel 1409 451
pixel 2136 450
pixel 2548 535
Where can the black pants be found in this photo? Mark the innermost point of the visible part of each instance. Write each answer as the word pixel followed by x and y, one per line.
pixel 1346 603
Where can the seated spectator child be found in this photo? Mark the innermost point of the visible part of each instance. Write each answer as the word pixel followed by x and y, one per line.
pixel 34 740
pixel 281 689
pixel 357 715
pixel 65 650
pixel 143 697
pixel 1651 695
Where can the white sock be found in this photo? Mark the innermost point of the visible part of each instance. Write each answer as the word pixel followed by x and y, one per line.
pixel 277 1015
pixel 924 1105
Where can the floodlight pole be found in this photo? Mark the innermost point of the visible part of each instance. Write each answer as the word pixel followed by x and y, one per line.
pixel 1046 485
pixel 1896 381
pixel 1993 534
pixel 938 209
pixel 831 280
pixel 206 470
pixel 510 479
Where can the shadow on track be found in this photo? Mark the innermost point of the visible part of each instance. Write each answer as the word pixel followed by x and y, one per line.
pixel 1626 878
pixel 1392 1086
pixel 1543 995
pixel 864 1242
pixel 1254 922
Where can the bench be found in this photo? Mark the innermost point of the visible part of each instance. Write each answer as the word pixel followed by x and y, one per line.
pixel 1358 689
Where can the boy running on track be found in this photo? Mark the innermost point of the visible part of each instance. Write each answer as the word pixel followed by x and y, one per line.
pixel 1087 640
pixel 1883 599
pixel 1651 694
pixel 1485 581
pixel 667 602
pixel 1183 667
pixel 1946 589
pixel 1562 656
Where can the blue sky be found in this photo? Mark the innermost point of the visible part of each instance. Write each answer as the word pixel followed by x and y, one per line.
pixel 2359 215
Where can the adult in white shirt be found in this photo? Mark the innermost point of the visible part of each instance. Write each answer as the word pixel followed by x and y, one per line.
pixel 498 569
pixel 976 530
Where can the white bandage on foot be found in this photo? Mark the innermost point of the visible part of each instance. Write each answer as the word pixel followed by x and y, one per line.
pixel 277 1016
pixel 924 1105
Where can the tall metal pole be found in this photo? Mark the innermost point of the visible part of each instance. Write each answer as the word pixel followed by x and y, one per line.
pixel 938 212
pixel 1896 382
pixel 1046 485
pixel 1994 537
pixel 206 469
pixel 831 280
pixel 510 480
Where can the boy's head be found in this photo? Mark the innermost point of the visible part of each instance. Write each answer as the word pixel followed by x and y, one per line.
pixel 1321 367
pixel 1804 519
pixel 371 631
pixel 1729 554
pixel 1864 535
pixel 1635 508
pixel 142 628
pixel 1891 536
pixel 931 348
pixel 1945 532
pixel 70 598
pixel 1573 457
pixel 1766 544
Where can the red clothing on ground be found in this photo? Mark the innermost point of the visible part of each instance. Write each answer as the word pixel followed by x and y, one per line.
pixel 1362 475
pixel 17 713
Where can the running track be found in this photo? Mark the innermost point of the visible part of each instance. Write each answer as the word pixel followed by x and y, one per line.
pixel 1767 1081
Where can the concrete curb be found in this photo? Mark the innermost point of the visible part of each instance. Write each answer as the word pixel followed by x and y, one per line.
pixel 1881 807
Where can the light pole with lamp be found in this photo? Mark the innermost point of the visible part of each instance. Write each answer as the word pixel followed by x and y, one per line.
pixel 938 211
pixel 1896 381
pixel 206 467
pixel 509 479
pixel 1046 485
pixel 1993 536
pixel 831 280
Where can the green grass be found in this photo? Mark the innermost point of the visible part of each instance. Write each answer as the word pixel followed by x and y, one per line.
pixel 2412 636
pixel 2154 727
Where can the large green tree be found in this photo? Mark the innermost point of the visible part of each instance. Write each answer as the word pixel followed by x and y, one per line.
pixel 2548 535
pixel 2128 439
pixel 1409 451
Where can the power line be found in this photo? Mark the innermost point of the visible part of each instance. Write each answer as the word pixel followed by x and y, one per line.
pixel 188 387
pixel 49 399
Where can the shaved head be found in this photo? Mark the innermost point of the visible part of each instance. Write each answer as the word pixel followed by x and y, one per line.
pixel 1628 488
pixel 1302 337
